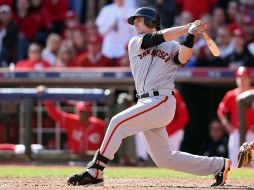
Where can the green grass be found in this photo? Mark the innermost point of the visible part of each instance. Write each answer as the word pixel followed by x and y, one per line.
pixel 112 172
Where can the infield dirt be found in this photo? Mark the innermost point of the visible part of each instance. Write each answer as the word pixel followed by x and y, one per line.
pixel 59 183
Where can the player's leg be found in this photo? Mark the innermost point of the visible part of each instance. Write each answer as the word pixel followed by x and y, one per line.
pixel 141 152
pixel 233 146
pixel 176 139
pixel 156 141
pixel 146 114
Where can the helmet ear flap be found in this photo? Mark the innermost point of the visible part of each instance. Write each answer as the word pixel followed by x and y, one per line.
pixel 149 23
pixel 153 23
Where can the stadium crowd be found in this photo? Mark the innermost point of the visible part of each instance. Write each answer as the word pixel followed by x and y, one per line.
pixel 37 33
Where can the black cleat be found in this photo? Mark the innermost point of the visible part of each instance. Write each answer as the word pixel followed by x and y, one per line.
pixel 222 176
pixel 84 179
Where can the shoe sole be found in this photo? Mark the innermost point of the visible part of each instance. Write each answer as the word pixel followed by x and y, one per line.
pixel 91 184
pixel 225 173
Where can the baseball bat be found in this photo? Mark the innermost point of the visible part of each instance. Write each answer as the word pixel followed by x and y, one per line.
pixel 211 45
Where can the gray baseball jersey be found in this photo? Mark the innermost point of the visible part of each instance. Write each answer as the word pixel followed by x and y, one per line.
pixel 153 68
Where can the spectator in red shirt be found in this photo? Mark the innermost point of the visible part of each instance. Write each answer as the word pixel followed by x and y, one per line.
pixel 78 40
pixel 42 17
pixel 34 60
pixel 66 56
pixel 176 127
pixel 57 10
pixel 28 27
pixel 93 57
pixel 228 107
pixel 71 24
pixel 83 131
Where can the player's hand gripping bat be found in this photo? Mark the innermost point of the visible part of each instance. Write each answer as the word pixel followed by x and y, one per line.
pixel 209 41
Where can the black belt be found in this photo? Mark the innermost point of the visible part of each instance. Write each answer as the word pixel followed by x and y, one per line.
pixel 146 95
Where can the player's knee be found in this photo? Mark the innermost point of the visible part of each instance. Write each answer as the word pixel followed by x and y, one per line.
pixel 114 121
pixel 161 163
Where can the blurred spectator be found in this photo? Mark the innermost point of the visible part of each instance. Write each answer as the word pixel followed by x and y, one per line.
pixel 113 26
pixel 92 29
pixel 71 24
pixel 77 6
pixel 49 53
pixel 218 142
pixel 93 57
pixel 66 56
pixel 224 41
pixel 175 128
pixel 185 18
pixel 218 17
pixel 57 10
pixel 84 132
pixel 42 17
pixel 8 36
pixel 28 27
pixel 247 7
pixel 241 55
pixel 232 11
pixel 196 7
pixel 78 40
pixel 248 28
pixel 228 113
pixel 34 60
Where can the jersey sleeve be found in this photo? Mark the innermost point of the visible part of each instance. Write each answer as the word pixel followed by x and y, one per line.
pixel 224 105
pixel 57 114
pixel 174 48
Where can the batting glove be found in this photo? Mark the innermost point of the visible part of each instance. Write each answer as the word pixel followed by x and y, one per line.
pixel 197 27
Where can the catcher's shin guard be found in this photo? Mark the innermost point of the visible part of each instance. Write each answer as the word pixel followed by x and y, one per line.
pixel 85 178
pixel 221 177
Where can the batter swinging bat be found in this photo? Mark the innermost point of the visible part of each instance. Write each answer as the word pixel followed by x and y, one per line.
pixel 211 44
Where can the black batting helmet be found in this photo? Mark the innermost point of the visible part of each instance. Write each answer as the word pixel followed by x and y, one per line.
pixel 152 19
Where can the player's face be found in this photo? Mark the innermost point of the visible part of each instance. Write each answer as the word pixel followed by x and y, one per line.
pixel 243 81
pixel 140 26
pixel 84 116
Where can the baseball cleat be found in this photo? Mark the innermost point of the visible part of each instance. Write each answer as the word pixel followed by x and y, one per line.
pixel 84 179
pixel 221 177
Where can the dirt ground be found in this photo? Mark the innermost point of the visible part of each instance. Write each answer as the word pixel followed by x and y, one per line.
pixel 36 183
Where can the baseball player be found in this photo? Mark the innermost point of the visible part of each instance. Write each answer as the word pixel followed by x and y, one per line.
pixel 228 107
pixel 154 57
